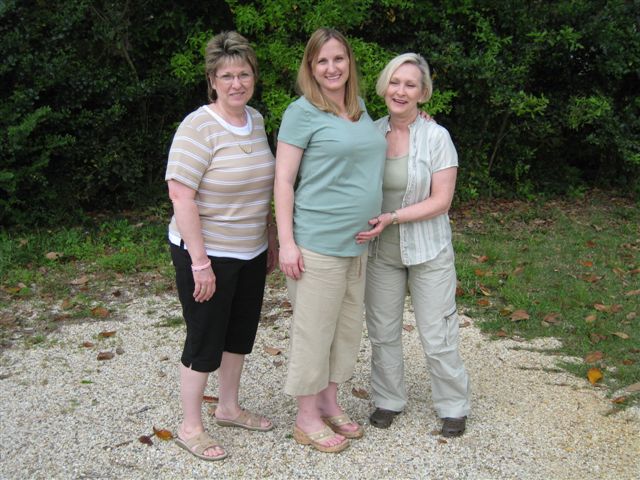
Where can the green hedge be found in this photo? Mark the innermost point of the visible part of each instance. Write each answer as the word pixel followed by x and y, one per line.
pixel 539 97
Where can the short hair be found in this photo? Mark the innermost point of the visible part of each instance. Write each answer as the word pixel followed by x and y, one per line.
pixel 413 58
pixel 309 87
pixel 227 47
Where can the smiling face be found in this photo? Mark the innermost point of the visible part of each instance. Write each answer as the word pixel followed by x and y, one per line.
pixel 234 82
pixel 331 67
pixel 404 91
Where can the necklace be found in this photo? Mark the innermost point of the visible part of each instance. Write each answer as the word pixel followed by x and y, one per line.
pixel 247 149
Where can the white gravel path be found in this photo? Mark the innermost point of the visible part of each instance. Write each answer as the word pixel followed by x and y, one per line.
pixel 64 414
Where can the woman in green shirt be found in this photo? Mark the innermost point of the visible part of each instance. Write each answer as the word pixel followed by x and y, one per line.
pixel 329 166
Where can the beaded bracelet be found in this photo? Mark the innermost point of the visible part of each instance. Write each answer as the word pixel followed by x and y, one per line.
pixel 201 267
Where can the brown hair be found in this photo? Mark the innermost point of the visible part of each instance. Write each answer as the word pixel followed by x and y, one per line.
pixel 308 85
pixel 227 47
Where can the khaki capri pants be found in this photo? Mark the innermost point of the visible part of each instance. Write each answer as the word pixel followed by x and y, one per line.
pixel 327 324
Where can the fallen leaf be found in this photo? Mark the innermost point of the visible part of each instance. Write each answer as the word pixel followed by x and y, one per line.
pixel 628 361
pixel 286 304
pixel 553 317
pixel 618 271
pixel 594 375
pixel 479 273
pixel 87 344
pixel 407 327
pixel 481 258
pixel 162 434
pixel 80 281
pixel 278 363
pixel 616 308
pixel 483 302
pixel 116 294
pixel 632 292
pixel 119 350
pixel 272 350
pixel 597 337
pixel 631 315
pixel 100 312
pixel 591 278
pixel 593 357
pixel 619 399
pixel 600 307
pixel 590 243
pixel 105 355
pixel 634 387
pixel 209 399
pixel 586 263
pixel 622 335
pixel 66 304
pixel 485 291
pixel 145 439
pixel 54 255
pixel 502 333
pixel 442 440
pixel 106 334
pixel 506 311
pixel 464 324
pixel 518 270
pixel 360 393
pixel 590 318
pixel 635 271
pixel 459 291
pixel 12 290
pixel 519 315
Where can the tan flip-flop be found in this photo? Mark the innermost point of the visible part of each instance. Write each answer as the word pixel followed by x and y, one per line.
pixel 315 439
pixel 197 445
pixel 246 419
pixel 336 423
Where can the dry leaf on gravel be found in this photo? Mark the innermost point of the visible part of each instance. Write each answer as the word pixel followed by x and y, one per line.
pixel 53 255
pixel 146 439
pixel 106 334
pixel 209 399
pixel 100 312
pixel 162 434
pixel 105 355
pixel 360 393
pixel 273 350
pixel 407 327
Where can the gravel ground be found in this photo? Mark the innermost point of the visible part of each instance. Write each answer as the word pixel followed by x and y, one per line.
pixel 65 414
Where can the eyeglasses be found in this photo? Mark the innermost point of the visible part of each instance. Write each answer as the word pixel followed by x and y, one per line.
pixel 228 78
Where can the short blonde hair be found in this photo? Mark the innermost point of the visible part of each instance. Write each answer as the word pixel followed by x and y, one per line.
pixel 308 85
pixel 227 47
pixel 413 58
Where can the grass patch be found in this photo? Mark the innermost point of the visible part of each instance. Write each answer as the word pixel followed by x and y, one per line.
pixel 557 268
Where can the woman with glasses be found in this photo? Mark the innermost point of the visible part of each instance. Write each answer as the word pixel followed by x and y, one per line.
pixel 412 248
pixel 220 176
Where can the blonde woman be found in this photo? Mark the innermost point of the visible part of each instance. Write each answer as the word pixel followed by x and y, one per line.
pixel 328 184
pixel 412 248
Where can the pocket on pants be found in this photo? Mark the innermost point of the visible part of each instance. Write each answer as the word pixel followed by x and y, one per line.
pixel 452 328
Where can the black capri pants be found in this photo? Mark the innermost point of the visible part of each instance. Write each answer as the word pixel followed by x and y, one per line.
pixel 228 321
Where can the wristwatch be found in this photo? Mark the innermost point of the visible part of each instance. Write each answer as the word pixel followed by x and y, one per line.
pixel 394 217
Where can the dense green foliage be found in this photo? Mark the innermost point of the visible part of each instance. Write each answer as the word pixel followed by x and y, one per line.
pixel 538 96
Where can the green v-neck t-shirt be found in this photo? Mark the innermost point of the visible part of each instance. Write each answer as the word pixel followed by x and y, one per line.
pixel 339 183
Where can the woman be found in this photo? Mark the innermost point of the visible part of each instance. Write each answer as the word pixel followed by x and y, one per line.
pixel 413 248
pixel 328 184
pixel 220 173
